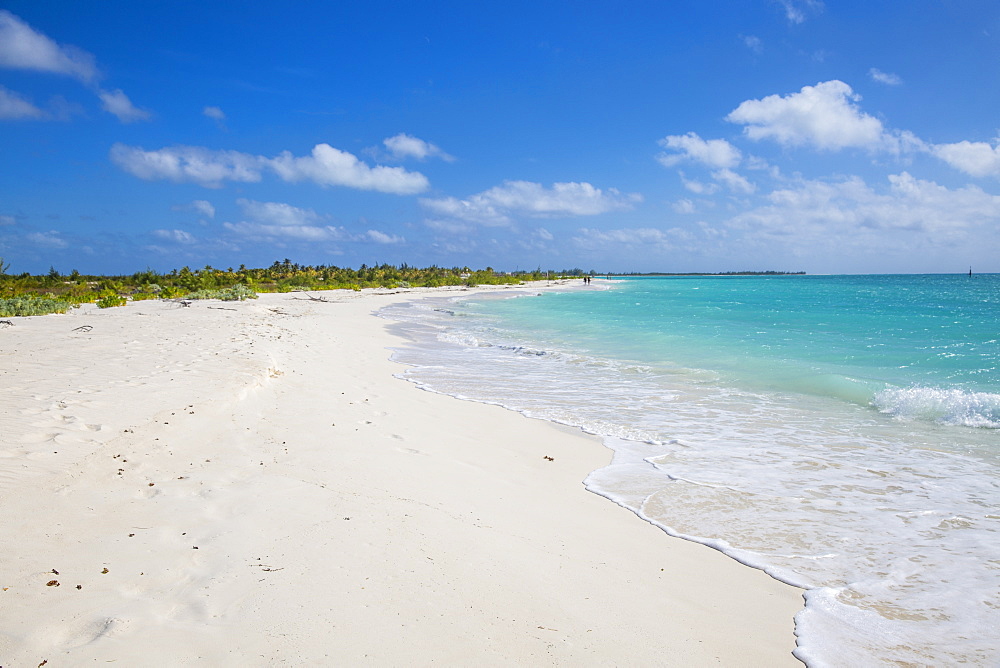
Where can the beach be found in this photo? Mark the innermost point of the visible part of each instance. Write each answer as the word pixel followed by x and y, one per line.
pixel 248 483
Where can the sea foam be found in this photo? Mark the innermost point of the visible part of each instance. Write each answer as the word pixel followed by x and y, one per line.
pixel 881 508
pixel 944 405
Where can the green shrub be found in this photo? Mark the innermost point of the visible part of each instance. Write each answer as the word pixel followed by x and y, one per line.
pixel 110 301
pixel 29 305
pixel 236 293
pixel 172 292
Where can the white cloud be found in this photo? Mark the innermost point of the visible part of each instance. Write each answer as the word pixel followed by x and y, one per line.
pixel 188 164
pixel 116 102
pixel 594 239
pixel 200 206
pixel 331 166
pixel 214 113
pixel 301 232
pixel 277 213
pixel 496 205
pixel 734 181
pixel 21 47
pixel 7 220
pixel 178 236
pixel 716 153
pixel 974 158
pixel 204 207
pixel 210 168
pixel 683 206
pixel 274 220
pixel 14 106
pixel 476 209
pixel 544 234
pixel 698 187
pixel 383 238
pixel 405 146
pixel 824 116
pixel 795 10
pixel 753 43
pixel 884 77
pixel 51 239
pixel 849 213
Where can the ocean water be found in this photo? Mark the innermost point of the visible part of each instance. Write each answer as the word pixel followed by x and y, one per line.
pixel 841 433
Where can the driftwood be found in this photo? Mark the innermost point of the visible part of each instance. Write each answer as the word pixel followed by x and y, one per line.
pixel 311 298
pixel 220 308
pixel 83 328
pixel 6 323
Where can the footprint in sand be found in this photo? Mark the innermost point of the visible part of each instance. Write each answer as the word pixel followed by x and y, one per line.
pixel 88 632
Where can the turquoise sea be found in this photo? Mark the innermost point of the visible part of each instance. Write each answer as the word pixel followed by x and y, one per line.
pixel 841 433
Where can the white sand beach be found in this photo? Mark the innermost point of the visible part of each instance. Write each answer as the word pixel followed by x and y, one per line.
pixel 248 484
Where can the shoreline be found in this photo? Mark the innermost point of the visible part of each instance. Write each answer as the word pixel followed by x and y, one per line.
pixel 262 489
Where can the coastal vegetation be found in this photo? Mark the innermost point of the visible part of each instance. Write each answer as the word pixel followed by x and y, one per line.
pixel 53 292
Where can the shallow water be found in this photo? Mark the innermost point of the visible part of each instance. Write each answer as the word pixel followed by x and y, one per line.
pixel 838 432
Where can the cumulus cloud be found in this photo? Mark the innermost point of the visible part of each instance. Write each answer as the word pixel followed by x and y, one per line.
pixel 177 236
pixel 200 206
pixel 262 231
pixel 405 146
pixel 850 212
pixel 204 207
pixel 22 47
pixel 330 166
pixel 14 106
pixel 210 168
pixel 884 77
pixel 277 220
pixel 188 164
pixel 7 220
pixel 277 213
pixel 383 238
pixel 825 116
pixel 476 209
pixel 974 158
pixel 497 205
pixel 215 113
pixel 734 181
pixel 699 187
pixel 717 153
pixel 116 102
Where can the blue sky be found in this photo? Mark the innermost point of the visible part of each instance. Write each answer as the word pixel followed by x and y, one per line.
pixel 641 136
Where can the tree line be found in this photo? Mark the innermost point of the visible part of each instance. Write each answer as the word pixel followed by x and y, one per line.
pixel 281 276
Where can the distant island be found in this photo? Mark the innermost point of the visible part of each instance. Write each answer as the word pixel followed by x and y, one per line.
pixel 705 273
